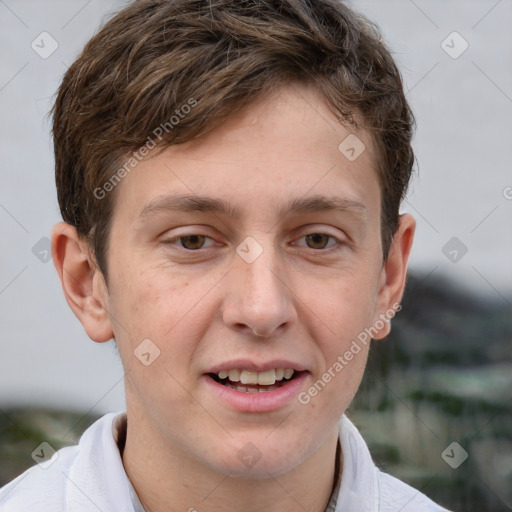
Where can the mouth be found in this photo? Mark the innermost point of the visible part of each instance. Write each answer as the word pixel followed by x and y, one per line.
pixel 249 387
pixel 248 381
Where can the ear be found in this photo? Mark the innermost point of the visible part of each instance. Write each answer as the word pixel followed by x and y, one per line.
pixel 83 284
pixel 393 276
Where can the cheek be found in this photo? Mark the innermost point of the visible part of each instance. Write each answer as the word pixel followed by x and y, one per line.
pixel 345 305
pixel 165 307
pixel 144 292
pixel 345 310
pixel 332 391
pixel 137 303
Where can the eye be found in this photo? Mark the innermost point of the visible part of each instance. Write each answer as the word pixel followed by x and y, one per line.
pixel 319 240
pixel 191 242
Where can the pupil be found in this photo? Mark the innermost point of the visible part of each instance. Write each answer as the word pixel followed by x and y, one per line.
pixel 317 238
pixel 192 241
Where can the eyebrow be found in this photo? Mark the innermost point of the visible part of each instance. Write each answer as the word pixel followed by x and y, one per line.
pixel 195 203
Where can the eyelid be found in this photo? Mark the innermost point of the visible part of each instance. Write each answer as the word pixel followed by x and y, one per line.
pixel 338 243
pixel 321 229
pixel 174 239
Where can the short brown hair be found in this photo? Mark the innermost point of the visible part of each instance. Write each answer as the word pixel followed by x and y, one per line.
pixel 156 55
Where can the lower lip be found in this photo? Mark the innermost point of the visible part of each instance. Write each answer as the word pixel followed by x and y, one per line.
pixel 262 401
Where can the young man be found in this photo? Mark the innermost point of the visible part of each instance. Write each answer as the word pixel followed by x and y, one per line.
pixel 230 176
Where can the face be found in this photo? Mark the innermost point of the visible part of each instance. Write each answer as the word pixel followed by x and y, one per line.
pixel 254 248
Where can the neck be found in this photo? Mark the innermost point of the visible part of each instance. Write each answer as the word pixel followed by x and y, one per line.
pixel 166 479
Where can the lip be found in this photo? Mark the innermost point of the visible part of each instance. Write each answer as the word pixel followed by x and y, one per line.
pixel 246 364
pixel 266 401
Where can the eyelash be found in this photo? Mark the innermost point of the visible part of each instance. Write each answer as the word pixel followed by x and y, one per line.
pixel 338 242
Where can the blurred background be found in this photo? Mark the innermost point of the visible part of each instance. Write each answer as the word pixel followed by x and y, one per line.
pixel 436 403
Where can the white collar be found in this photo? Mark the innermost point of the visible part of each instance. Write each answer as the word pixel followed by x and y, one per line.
pixel 355 488
pixel 91 476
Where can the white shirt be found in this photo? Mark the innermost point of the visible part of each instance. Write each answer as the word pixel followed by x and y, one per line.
pixel 90 477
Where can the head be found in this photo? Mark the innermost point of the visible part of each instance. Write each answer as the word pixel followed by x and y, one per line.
pixel 230 176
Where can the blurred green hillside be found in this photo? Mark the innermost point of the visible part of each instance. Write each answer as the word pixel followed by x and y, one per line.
pixel 443 376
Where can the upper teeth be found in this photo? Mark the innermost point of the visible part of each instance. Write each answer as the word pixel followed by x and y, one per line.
pixel 266 378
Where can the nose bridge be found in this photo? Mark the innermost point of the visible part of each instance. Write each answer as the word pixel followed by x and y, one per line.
pixel 258 300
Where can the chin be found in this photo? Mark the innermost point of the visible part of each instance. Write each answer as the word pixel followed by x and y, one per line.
pixel 251 463
pixel 260 470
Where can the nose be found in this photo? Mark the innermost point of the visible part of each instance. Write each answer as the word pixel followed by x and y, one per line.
pixel 259 300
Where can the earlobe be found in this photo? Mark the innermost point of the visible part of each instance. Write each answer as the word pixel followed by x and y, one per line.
pixel 82 282
pixel 394 273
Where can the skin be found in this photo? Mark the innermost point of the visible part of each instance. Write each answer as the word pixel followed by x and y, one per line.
pixel 303 299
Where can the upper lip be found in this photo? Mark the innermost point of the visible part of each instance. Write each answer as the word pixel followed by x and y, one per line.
pixel 246 364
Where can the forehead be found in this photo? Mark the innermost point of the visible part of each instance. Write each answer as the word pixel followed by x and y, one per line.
pixel 281 148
